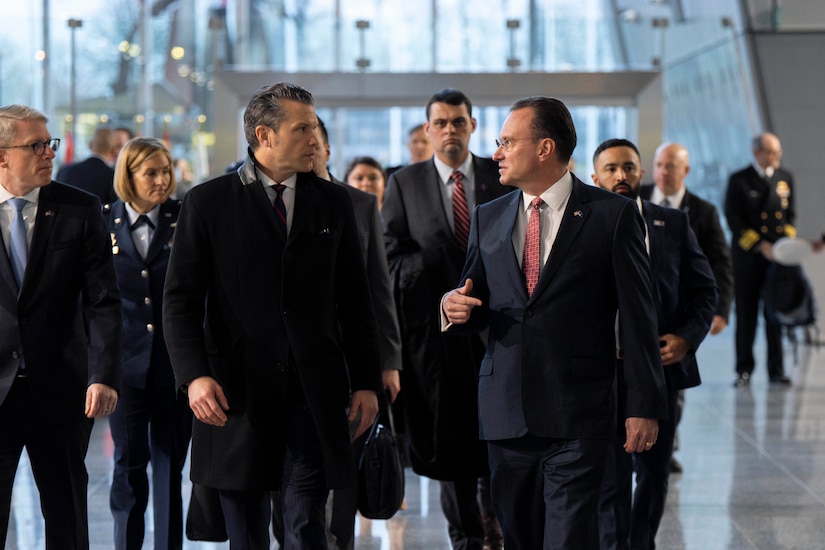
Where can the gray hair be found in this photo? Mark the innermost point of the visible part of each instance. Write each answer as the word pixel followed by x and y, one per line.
pixel 9 114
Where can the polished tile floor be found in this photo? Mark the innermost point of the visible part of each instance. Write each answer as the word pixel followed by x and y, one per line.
pixel 754 467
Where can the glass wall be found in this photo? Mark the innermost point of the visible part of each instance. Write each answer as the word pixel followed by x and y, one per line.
pixel 149 64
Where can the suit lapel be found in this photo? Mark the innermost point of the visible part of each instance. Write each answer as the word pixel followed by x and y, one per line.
pixel 121 233
pixel 502 231
pixel 434 194
pixel 47 212
pixel 656 237
pixel 9 291
pixel 262 205
pixel 306 197
pixel 572 222
pixel 163 233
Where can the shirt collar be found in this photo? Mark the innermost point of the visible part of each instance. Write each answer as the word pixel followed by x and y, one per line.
pixel 764 171
pixel 555 196
pixel 675 199
pixel 32 196
pixel 290 182
pixel 445 172
pixel 133 214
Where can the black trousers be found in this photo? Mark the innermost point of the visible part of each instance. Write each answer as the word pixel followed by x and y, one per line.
pixel 749 271
pixel 546 491
pixel 57 453
pixel 151 425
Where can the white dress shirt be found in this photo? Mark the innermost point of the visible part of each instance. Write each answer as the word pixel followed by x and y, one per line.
pixel 7 214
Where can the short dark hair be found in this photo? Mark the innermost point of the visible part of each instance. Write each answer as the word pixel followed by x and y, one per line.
pixel 551 119
pixel 615 142
pixel 266 108
pixel 450 96
pixel 323 128
pixel 416 128
pixel 369 161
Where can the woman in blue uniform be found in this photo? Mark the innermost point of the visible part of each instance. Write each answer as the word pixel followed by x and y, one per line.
pixel 152 423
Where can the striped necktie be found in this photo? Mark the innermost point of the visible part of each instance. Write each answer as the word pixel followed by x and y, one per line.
pixel 280 208
pixel 461 214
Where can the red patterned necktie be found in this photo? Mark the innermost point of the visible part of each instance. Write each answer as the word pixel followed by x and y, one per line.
pixel 461 215
pixel 280 207
pixel 531 259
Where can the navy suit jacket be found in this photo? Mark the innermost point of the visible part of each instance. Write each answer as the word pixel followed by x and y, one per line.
pixel 66 318
pixel 141 287
pixel 683 286
pixel 92 175
pixel 550 365
pixel 704 220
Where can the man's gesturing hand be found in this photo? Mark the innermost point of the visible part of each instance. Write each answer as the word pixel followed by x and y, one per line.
pixel 458 304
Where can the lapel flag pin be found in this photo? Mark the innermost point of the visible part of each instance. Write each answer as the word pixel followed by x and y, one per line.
pixel 659 223
pixel 578 214
pixel 49 213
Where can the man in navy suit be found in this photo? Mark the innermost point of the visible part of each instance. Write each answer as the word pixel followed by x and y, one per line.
pixel 60 327
pixel 270 327
pixel 684 290
pixel 546 275
pixel 95 174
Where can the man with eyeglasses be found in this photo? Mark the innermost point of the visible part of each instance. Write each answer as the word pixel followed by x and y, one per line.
pixel 546 276
pixel 60 321
pixel 426 216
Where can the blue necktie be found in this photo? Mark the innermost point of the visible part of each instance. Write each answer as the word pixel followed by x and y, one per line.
pixel 19 249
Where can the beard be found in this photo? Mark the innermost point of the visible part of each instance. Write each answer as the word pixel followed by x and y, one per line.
pixel 626 189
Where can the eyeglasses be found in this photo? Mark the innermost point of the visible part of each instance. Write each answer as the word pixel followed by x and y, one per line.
pixel 39 147
pixel 507 143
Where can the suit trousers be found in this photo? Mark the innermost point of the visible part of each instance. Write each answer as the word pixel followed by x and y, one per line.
pixel 749 275
pixel 460 504
pixel 546 491
pixel 149 425
pixel 631 520
pixel 57 453
pixel 303 493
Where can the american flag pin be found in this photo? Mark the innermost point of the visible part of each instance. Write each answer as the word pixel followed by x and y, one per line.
pixel 49 213
pixel 578 214
pixel 659 223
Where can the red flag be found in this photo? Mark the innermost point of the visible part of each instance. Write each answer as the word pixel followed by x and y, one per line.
pixel 68 154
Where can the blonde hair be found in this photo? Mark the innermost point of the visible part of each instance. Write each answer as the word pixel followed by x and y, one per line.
pixel 134 153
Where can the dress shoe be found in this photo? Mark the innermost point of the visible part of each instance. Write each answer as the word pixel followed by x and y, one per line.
pixel 493 538
pixel 744 379
pixel 781 379
pixel 674 465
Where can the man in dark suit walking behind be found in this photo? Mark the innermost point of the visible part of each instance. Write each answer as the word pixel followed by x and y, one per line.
pixel 426 217
pixel 684 290
pixel 270 328
pixel 95 174
pixel 60 323
pixel 547 276
pixel 671 166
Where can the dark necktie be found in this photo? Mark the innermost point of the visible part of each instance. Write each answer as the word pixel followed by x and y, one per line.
pixel 280 208
pixel 531 258
pixel 143 218
pixel 18 249
pixel 461 214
